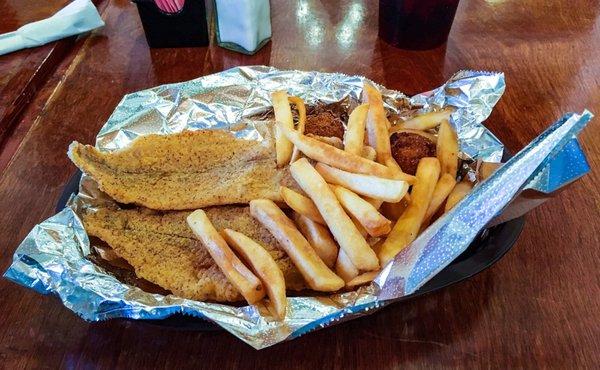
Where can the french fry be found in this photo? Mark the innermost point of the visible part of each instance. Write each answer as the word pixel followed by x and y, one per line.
pixel 339 223
pixel 299 103
pixel 354 137
pixel 460 191
pixel 317 275
pixel 331 140
pixel 363 211
pixel 296 154
pixel 362 279
pixel 301 204
pixel 486 169
pixel 425 121
pixel 395 168
pixel 441 191
pixel 374 202
pixel 373 187
pixel 301 122
pixel 427 135
pixel 236 272
pixel 373 96
pixel 361 230
pixel 368 152
pixel 335 157
pixel 377 124
pixel 407 227
pixel 391 162
pixel 344 267
pixel 447 148
pixel 283 116
pixel 263 265
pixel 378 130
pixel 319 238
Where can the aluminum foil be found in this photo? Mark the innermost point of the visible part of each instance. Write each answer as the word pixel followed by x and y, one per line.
pixel 51 259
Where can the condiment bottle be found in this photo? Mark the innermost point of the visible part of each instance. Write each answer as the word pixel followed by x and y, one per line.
pixel 243 25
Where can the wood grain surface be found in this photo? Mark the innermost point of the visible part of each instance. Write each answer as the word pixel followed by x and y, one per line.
pixel 24 73
pixel 537 308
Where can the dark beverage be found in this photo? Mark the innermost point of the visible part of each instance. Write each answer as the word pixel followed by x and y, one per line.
pixel 416 24
pixel 184 28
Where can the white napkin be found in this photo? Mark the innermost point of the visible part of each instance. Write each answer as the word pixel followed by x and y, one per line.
pixel 77 17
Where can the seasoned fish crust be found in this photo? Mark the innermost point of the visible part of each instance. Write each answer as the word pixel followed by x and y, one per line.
pixel 163 250
pixel 187 170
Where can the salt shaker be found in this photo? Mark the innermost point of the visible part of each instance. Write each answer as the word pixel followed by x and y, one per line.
pixel 243 25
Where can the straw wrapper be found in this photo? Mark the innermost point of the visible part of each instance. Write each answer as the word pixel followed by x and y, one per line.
pixel 51 259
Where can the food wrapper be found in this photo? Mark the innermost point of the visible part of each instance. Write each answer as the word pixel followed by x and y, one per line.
pixel 52 258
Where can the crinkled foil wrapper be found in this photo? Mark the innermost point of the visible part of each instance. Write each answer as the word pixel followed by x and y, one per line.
pixel 52 258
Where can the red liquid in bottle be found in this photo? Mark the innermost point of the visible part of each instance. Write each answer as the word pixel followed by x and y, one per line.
pixel 416 24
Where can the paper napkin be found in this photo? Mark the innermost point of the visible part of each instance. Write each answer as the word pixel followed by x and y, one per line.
pixel 77 17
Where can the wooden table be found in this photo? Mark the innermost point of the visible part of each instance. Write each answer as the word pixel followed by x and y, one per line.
pixel 24 73
pixel 538 307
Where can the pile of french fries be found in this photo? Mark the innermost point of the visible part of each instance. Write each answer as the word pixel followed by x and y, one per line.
pixel 356 210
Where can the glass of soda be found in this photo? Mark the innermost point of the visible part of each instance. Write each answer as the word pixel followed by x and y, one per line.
pixel 416 24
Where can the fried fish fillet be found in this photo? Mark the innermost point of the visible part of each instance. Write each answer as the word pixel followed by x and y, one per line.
pixel 187 170
pixel 163 250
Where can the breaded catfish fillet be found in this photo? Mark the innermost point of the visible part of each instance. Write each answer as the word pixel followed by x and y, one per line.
pixel 188 170
pixel 163 250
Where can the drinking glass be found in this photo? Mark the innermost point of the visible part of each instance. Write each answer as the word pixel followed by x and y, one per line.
pixel 416 24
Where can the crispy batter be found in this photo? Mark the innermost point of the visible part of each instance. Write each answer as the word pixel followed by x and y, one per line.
pixel 324 124
pixel 163 250
pixel 187 170
pixel 409 148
